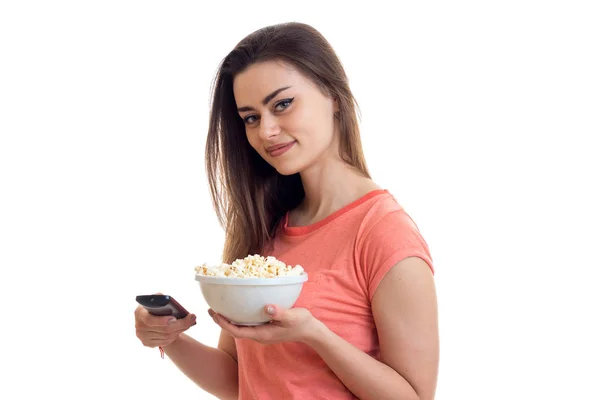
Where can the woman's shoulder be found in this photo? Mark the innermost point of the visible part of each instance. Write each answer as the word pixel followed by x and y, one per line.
pixel 383 207
pixel 387 219
pixel 387 235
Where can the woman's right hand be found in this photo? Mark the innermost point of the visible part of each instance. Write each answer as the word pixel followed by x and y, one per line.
pixel 155 331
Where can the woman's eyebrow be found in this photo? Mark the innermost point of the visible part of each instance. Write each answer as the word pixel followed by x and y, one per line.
pixel 266 100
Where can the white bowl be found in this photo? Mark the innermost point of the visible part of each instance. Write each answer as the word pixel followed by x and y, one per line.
pixel 242 300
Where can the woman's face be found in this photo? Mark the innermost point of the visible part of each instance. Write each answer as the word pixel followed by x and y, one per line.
pixel 288 119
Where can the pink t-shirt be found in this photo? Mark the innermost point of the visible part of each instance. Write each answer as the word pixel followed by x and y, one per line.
pixel 346 256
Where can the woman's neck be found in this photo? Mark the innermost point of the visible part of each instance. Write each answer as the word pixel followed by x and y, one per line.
pixel 327 189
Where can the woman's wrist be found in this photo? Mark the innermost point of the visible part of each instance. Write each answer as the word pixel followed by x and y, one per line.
pixel 178 339
pixel 315 332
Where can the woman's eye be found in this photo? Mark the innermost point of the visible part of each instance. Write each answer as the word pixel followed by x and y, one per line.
pixel 283 104
pixel 250 119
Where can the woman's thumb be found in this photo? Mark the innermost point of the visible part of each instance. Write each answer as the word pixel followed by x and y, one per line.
pixel 273 311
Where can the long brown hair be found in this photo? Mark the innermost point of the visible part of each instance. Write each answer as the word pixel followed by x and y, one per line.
pixel 249 196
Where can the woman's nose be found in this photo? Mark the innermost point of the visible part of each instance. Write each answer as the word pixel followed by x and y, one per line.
pixel 268 127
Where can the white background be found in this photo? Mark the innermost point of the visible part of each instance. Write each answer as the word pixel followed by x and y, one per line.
pixel 481 118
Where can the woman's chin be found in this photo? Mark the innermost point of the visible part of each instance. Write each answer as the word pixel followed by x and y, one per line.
pixel 286 171
pixel 286 168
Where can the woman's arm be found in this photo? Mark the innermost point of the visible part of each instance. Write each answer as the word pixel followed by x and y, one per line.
pixel 405 311
pixel 214 370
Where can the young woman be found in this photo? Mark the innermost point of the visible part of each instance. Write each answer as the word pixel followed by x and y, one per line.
pixel 289 179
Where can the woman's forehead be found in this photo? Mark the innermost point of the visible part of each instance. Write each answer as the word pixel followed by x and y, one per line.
pixel 261 79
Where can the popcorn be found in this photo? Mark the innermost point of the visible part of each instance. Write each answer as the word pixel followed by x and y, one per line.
pixel 253 266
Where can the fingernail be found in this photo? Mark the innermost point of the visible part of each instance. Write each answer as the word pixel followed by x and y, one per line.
pixel 270 310
pixel 211 312
pixel 171 321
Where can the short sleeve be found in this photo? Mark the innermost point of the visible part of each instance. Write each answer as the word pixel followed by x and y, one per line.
pixel 390 240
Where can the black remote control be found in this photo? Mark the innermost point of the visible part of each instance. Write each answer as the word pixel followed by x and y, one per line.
pixel 161 304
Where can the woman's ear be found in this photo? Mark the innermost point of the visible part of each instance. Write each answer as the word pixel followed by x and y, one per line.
pixel 336 108
pixel 336 105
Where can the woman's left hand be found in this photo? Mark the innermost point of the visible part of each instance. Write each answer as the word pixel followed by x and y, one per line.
pixel 292 325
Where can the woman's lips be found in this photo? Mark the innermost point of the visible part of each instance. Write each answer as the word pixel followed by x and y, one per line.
pixel 279 149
